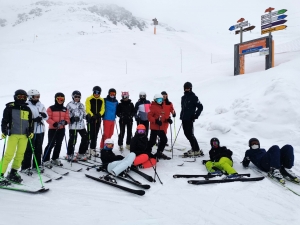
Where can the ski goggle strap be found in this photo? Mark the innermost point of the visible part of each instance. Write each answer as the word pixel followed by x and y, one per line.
pixel 21 97
pixel 141 131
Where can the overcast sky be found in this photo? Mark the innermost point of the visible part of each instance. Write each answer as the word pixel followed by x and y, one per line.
pixel 196 15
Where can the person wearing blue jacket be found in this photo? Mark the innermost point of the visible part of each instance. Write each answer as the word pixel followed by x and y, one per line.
pixel 277 162
pixel 111 104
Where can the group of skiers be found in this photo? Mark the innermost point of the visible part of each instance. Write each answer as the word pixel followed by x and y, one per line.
pixel 23 121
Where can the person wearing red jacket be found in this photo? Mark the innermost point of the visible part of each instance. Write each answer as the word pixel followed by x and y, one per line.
pixel 158 121
pixel 169 108
pixel 58 118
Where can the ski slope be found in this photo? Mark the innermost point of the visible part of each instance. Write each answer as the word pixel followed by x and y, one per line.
pixel 50 54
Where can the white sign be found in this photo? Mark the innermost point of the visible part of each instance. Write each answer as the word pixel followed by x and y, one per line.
pixel 264 51
pixel 273 19
pixel 269 15
pixel 243 24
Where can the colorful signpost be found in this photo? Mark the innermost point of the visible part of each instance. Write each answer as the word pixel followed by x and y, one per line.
pixel 241 23
pixel 271 21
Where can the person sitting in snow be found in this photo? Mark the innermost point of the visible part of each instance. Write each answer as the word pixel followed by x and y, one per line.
pixel 220 160
pixel 141 147
pixel 277 162
pixel 114 164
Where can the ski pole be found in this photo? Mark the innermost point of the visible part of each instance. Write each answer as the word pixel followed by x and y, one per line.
pixel 157 152
pixel 67 145
pixel 171 141
pixel 3 154
pixel 176 136
pixel 35 161
pixel 154 168
pixel 46 152
pixel 74 142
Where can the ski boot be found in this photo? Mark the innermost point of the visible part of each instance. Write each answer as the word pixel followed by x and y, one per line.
pixel 110 178
pixel 14 177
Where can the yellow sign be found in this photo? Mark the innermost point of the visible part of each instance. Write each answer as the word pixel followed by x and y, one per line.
pixel 272 29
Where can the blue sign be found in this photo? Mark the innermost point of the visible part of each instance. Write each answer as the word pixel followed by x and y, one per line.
pixel 251 50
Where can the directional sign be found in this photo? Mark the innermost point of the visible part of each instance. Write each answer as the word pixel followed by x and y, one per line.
pixel 243 24
pixel 245 30
pixel 273 24
pixel 264 51
pixel 281 11
pixel 281 27
pixel 273 19
pixel 251 50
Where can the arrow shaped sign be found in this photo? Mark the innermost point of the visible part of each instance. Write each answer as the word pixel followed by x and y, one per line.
pixel 273 19
pixel 245 30
pixel 273 24
pixel 281 11
pixel 281 27
pixel 243 24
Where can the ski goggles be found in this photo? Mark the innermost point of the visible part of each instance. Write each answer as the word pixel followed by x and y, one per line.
pixel 21 97
pixel 142 96
pixel 159 100
pixel 77 96
pixel 60 99
pixel 125 96
pixel 112 93
pixel 36 96
pixel 254 143
pixel 215 143
pixel 96 92
pixel 141 131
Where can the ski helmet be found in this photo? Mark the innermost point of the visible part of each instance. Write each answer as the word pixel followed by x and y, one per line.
pixel 97 90
pixel 109 141
pixel 112 90
pixel 141 127
pixel 253 140
pixel 142 94
pixel 125 94
pixel 164 93
pixel 187 85
pixel 20 93
pixel 214 140
pixel 76 93
pixel 158 98
pixel 32 92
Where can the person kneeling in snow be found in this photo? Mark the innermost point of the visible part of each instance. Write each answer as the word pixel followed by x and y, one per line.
pixel 220 160
pixel 114 164
pixel 277 162
pixel 141 147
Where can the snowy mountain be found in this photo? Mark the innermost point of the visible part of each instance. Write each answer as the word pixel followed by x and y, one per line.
pixel 66 46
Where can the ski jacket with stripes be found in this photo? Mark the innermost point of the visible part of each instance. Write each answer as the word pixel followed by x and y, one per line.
pixel 36 109
pixel 76 109
pixel 17 118
pixel 142 107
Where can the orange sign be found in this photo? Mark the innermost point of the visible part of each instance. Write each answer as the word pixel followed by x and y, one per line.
pixel 281 27
pixel 254 44
pixel 240 20
pixel 270 9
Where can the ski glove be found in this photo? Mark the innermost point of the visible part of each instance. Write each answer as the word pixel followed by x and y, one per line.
pixel 158 122
pixel 174 114
pixel 44 115
pixel 88 118
pixel 37 119
pixel 194 117
pixel 55 124
pixel 3 135
pixel 63 122
pixel 170 121
pixel 204 161
pixel 74 119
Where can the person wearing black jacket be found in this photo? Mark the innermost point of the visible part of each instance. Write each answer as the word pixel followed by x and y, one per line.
pixel 220 160
pixel 142 148
pixel 114 164
pixel 125 111
pixel 191 109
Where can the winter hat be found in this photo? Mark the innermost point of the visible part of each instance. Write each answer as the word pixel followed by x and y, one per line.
pixel 108 142
pixel 20 96
pixel 164 93
pixel 214 140
pixel 187 85
pixel 58 94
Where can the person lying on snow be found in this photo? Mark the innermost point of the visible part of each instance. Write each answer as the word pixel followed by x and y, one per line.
pixel 277 162
pixel 141 147
pixel 114 164
pixel 220 160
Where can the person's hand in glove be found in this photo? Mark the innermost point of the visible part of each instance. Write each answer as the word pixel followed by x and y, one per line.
pixel 37 119
pixel 170 121
pixel 43 114
pixel 158 122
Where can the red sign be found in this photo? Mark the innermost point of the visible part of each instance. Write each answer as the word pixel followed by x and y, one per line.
pixel 251 45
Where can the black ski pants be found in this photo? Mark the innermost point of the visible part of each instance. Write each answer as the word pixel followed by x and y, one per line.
pixel 162 139
pixel 37 144
pixel 93 132
pixel 188 129
pixel 55 139
pixel 73 140
pixel 128 126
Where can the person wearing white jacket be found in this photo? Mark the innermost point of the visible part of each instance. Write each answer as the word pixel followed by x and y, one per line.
pixel 39 115
pixel 77 115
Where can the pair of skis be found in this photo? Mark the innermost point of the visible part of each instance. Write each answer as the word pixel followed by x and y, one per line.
pixel 208 176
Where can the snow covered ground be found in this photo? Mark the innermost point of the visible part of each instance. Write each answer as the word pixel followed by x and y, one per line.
pixel 50 53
